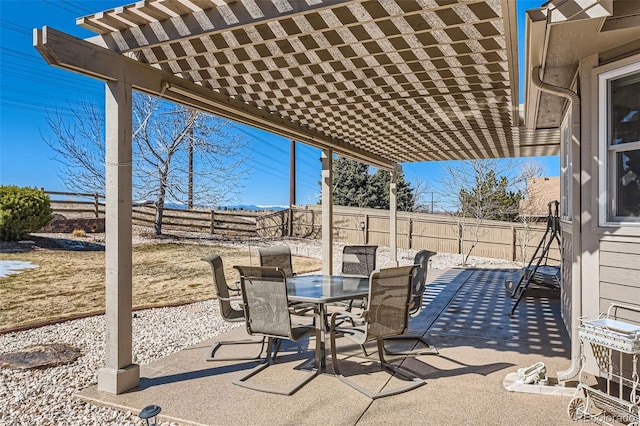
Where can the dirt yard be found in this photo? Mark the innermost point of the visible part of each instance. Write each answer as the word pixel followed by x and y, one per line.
pixel 69 279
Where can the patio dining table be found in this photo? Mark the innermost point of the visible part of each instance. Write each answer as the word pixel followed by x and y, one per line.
pixel 322 290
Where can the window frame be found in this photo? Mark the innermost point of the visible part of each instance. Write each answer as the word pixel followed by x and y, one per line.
pixel 607 163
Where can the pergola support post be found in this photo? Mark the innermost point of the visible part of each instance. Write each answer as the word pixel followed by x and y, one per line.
pixel 327 212
pixel 393 218
pixel 119 373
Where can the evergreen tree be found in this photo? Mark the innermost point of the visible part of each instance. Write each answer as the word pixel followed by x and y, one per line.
pixel 355 186
pixel 350 180
pixel 490 198
pixel 405 198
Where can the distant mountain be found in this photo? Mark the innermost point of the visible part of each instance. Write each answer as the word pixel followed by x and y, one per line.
pixel 245 207
pixel 253 207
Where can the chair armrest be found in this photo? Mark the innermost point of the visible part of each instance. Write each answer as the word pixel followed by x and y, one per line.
pixel 236 287
pixel 346 316
pixel 302 308
pixel 230 299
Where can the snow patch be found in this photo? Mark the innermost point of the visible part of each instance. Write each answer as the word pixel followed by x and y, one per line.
pixel 9 267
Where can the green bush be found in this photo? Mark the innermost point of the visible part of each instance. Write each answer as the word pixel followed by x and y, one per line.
pixel 22 210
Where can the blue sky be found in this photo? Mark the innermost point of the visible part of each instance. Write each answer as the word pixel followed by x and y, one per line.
pixel 29 88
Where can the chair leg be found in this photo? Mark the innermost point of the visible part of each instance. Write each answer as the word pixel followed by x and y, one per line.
pixel 414 381
pixel 218 345
pixel 427 350
pixel 270 359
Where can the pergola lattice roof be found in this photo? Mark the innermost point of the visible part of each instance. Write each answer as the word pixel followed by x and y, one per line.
pixel 406 80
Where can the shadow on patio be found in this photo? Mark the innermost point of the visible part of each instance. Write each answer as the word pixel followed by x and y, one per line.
pixel 465 316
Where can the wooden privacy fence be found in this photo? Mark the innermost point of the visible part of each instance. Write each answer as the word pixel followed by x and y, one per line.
pixel 225 222
pixel 501 240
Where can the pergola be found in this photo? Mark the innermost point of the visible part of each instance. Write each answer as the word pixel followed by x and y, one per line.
pixel 381 81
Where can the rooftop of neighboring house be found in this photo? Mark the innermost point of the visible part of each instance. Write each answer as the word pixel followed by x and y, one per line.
pixel 540 192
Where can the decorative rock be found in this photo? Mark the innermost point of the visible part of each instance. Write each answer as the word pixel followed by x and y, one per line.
pixel 40 356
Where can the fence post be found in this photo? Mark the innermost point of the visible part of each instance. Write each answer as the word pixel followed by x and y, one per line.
pixel 513 243
pixel 290 222
pixel 96 204
pixel 460 238
pixel 366 229
pixel 212 222
pixel 283 223
pixel 410 233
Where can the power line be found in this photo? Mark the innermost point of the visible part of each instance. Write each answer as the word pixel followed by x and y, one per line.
pixel 60 6
pixel 48 96
pixel 33 108
pixel 12 26
pixel 82 9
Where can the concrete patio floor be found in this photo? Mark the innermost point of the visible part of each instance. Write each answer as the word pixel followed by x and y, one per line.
pixel 465 316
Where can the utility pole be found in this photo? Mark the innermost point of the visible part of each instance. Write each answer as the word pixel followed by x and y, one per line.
pixel 292 184
pixel 292 174
pixel 190 186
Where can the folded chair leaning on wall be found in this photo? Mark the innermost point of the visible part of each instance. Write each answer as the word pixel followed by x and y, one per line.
pixel 386 315
pixel 418 285
pixel 231 312
pixel 268 313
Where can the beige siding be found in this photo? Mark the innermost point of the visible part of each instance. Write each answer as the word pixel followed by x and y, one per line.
pixel 620 277
pixel 567 276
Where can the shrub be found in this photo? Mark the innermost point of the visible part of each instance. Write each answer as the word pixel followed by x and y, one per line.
pixel 22 210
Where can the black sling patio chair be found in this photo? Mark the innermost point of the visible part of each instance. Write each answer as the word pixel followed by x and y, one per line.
pixel 230 310
pixel 386 315
pixel 268 313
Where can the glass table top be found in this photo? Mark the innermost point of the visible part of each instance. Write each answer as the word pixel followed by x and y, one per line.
pixel 326 288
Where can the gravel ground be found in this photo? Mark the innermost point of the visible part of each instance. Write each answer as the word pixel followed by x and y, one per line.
pixel 45 396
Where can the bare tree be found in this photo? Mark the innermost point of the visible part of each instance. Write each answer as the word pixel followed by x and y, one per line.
pixel 475 191
pixel 423 196
pixel 173 147
pixel 79 146
pixel 528 204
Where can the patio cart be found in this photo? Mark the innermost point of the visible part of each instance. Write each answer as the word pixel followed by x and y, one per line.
pixel 615 345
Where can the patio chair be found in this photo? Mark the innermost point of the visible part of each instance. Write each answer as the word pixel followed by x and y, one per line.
pixel 418 284
pixel 230 310
pixel 280 257
pixel 277 257
pixel 359 260
pixel 386 315
pixel 267 310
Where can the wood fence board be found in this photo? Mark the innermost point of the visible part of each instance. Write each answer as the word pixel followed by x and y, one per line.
pixel 439 233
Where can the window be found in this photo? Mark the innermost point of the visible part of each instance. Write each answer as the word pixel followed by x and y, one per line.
pixel 619 120
pixel 566 168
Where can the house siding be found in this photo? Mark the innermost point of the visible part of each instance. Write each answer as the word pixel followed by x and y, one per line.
pixel 567 275
pixel 620 277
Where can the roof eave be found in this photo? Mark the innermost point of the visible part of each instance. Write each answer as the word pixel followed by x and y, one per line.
pixel 535 47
